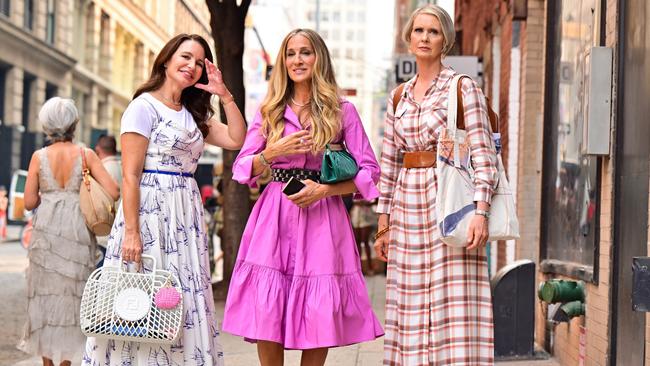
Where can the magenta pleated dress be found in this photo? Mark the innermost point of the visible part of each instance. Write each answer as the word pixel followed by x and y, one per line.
pixel 297 280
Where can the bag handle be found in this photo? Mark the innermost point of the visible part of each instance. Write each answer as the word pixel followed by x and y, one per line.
pixel 493 118
pixel 397 96
pixel 124 268
pixel 85 172
pixel 335 147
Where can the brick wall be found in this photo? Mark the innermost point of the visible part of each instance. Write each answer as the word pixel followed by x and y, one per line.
pixel 478 21
pixel 596 320
pixel 529 196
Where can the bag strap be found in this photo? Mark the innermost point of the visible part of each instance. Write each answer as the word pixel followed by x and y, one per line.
pixel 397 96
pixel 84 167
pixel 85 172
pixel 460 122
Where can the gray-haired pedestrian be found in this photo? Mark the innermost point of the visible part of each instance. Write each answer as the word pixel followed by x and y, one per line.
pixel 62 249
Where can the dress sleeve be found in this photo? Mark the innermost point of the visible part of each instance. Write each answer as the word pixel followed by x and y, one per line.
pixel 242 169
pixel 138 117
pixel 359 147
pixel 391 161
pixel 481 146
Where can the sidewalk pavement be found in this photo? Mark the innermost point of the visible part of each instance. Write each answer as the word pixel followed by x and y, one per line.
pixel 13 234
pixel 241 353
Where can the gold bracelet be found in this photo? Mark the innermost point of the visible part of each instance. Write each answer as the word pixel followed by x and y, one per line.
pixel 382 232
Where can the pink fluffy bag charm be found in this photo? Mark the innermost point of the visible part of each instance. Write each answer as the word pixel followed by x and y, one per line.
pixel 167 297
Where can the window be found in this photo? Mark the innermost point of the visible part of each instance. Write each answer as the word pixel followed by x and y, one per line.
pixel 336 34
pixel 361 36
pixel 361 17
pixel 570 182
pixel 336 16
pixel 350 17
pixel 349 54
pixel 51 91
pixel 3 85
pixel 29 81
pixel 325 34
pixel 29 15
pixel 50 21
pixel 349 35
pixel 104 41
pixel 325 16
pixel 4 7
pixel 335 53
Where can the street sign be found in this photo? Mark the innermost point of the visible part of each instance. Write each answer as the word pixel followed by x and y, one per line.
pixel 406 68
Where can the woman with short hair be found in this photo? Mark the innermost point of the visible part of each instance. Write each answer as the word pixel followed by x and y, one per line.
pixel 438 304
pixel 61 249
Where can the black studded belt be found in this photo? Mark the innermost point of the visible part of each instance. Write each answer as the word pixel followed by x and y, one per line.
pixel 283 175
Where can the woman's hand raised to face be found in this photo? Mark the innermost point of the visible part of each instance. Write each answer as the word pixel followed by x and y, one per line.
pixel 215 83
pixel 295 143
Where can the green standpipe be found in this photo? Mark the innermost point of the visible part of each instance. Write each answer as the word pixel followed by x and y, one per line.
pixel 553 291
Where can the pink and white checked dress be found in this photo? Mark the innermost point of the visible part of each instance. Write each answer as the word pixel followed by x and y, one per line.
pixel 438 304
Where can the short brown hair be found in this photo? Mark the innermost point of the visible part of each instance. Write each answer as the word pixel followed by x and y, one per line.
pixel 107 144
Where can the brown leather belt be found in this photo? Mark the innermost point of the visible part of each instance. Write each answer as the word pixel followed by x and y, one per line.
pixel 420 159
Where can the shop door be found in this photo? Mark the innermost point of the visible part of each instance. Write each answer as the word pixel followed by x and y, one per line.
pixel 631 181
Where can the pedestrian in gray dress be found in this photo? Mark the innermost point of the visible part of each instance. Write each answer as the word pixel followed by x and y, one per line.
pixel 62 249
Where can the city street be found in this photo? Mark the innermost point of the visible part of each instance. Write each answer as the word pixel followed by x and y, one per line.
pixel 13 262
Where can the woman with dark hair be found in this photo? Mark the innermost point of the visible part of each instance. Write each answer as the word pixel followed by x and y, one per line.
pixel 163 132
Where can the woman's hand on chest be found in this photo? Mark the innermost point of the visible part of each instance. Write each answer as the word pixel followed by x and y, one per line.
pixel 292 144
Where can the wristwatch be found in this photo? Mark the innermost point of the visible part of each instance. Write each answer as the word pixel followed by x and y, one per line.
pixel 483 213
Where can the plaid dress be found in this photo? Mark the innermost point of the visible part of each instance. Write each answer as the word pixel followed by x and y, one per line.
pixel 438 303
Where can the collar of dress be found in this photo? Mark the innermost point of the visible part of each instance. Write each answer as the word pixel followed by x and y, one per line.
pixel 446 74
pixel 291 116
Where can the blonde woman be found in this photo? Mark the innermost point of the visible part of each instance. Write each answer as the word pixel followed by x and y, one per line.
pixel 297 283
pixel 438 305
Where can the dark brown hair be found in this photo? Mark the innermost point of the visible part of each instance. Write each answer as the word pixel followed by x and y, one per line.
pixel 196 101
pixel 107 143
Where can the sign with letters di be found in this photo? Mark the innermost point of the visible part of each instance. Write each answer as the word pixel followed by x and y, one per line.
pixel 406 68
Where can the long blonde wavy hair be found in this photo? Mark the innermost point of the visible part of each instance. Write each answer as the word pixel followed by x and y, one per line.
pixel 324 109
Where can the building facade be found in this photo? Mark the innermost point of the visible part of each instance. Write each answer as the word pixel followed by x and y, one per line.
pixel 350 31
pixel 94 51
pixel 583 212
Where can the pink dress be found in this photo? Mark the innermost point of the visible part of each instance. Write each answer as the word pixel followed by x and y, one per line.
pixel 297 280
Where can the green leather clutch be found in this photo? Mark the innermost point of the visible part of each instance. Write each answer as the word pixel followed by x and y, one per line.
pixel 338 165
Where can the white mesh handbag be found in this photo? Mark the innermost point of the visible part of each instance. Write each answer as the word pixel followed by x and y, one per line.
pixel 118 304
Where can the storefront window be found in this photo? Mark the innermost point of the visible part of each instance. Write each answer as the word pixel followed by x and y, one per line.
pixel 569 223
